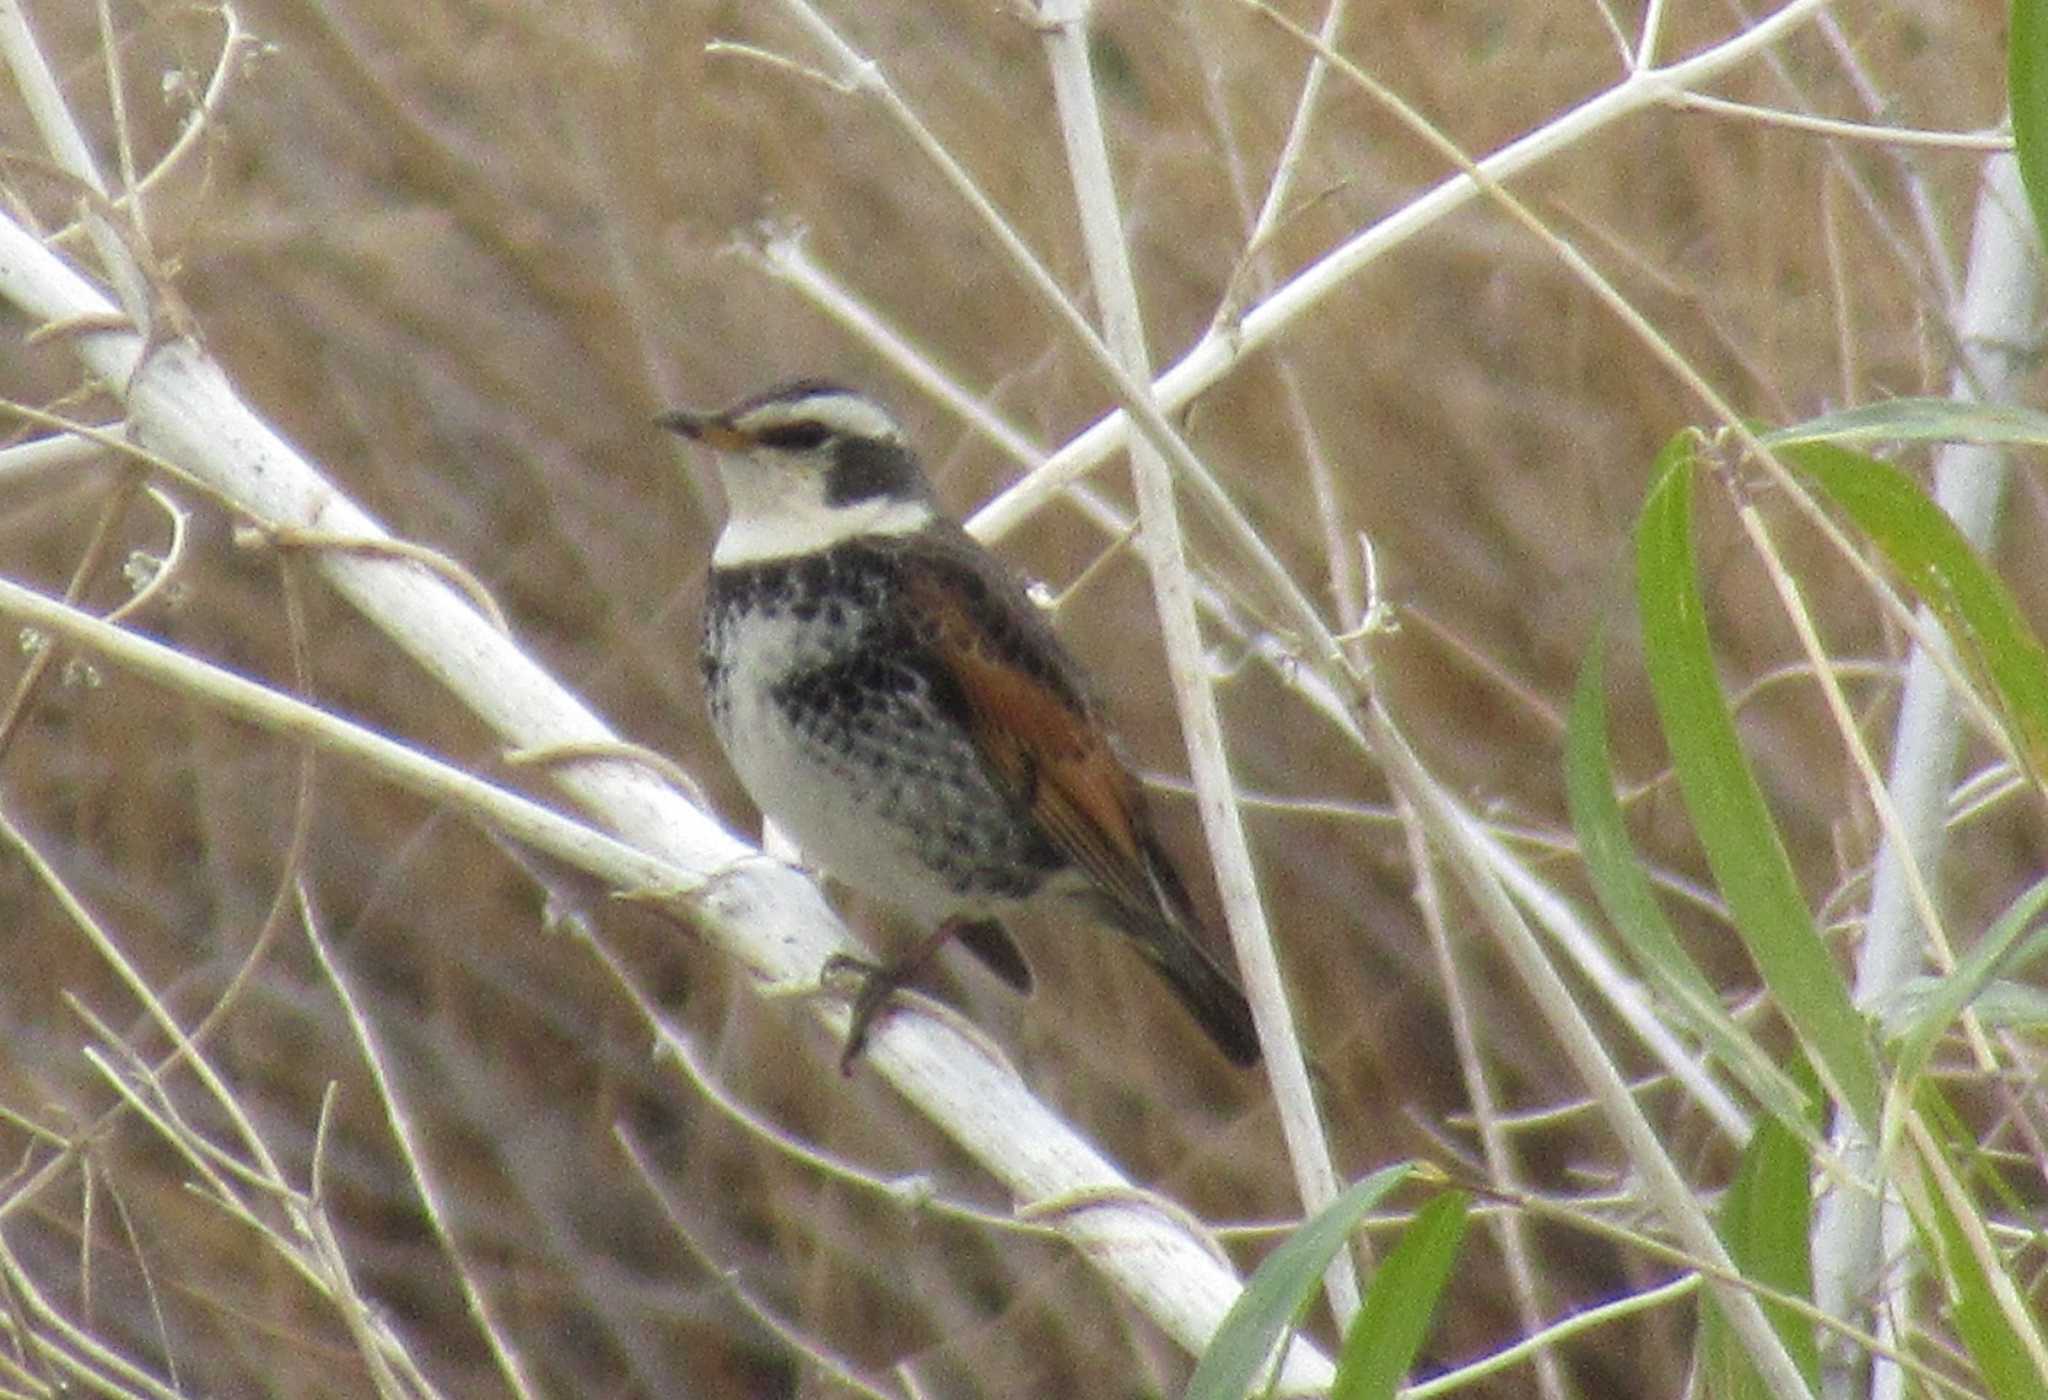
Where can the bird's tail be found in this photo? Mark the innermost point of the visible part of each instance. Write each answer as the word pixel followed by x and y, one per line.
pixel 1170 939
pixel 1207 990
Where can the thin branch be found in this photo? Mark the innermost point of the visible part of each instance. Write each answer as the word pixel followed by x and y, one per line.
pixel 831 1365
pixel 1839 129
pixel 510 1364
pixel 1064 30
pixel 1511 1230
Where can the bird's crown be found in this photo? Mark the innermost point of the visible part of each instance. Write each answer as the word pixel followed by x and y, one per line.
pixel 807 414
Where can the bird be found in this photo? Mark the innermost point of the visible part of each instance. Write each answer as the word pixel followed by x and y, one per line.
pixel 890 696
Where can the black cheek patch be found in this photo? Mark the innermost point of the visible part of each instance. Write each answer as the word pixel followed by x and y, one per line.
pixel 866 470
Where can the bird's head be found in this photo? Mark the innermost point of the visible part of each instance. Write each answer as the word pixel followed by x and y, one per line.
pixel 805 466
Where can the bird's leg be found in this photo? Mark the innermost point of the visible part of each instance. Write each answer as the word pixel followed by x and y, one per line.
pixel 879 982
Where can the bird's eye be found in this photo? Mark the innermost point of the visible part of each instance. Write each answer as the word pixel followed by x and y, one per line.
pixel 796 437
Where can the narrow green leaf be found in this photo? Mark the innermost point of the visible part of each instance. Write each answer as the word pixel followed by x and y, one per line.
pixel 2027 90
pixel 1987 1170
pixel 1765 1220
pixel 2006 1005
pixel 1631 905
pixel 1990 634
pixel 1957 990
pixel 1918 419
pixel 1990 1332
pixel 2003 1003
pixel 1381 1345
pixel 1742 843
pixel 1281 1289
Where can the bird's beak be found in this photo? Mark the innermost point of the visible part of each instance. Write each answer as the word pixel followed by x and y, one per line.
pixel 711 429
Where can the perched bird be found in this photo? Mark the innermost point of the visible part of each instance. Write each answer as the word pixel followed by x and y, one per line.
pixel 891 698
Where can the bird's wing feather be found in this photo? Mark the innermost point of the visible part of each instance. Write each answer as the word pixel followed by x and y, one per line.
pixel 1030 716
pixel 1029 713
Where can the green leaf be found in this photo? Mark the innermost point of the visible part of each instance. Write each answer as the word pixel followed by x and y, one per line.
pixel 1961 987
pixel 1381 1345
pixel 1765 1220
pixel 1742 843
pixel 2006 1005
pixel 1281 1290
pixel 1990 634
pixel 1631 905
pixel 1919 420
pixel 2004 1354
pixel 2027 91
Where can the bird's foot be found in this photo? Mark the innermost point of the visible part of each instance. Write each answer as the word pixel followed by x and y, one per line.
pixel 869 987
pixel 880 981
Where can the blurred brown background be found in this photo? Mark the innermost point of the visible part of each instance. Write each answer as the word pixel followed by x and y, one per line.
pixel 461 253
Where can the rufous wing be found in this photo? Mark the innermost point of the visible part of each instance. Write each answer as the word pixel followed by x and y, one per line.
pixel 1028 712
pixel 1038 737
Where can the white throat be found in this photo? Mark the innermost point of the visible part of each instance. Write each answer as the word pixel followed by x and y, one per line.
pixel 804 524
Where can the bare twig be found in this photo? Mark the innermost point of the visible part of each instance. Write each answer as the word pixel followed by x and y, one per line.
pixel 511 1366
pixel 1064 29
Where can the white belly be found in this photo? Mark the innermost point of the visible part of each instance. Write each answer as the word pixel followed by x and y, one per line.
pixel 845 817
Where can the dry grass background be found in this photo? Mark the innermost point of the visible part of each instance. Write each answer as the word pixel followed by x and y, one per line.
pixel 460 252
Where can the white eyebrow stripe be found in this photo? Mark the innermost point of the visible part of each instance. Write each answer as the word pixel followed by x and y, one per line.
pixel 848 415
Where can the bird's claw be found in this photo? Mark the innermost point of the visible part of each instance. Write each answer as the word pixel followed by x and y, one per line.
pixel 873 985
